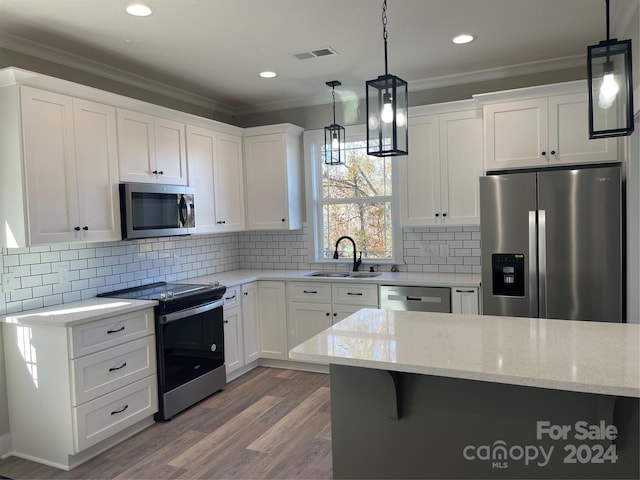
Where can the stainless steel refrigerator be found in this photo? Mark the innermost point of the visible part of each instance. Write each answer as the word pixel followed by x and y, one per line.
pixel 552 244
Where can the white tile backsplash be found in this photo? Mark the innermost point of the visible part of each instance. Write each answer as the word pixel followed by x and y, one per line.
pixel 54 274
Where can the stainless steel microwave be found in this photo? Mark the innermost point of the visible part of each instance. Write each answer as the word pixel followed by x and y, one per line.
pixel 153 210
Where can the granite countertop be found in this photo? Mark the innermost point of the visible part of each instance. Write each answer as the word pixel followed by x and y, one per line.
pixel 591 357
pixel 77 313
pixel 237 277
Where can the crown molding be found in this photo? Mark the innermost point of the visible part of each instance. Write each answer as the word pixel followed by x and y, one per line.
pixel 54 55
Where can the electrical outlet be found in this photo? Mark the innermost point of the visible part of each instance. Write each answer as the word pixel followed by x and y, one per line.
pixel 9 282
pixel 63 275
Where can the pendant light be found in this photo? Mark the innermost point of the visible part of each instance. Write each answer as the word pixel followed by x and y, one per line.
pixel 610 87
pixel 387 109
pixel 334 134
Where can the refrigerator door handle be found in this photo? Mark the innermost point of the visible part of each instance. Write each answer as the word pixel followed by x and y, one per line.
pixel 533 264
pixel 542 258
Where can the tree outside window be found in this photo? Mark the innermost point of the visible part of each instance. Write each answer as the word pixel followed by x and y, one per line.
pixel 356 200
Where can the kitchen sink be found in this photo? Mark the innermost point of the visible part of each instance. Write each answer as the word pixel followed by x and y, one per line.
pixel 343 274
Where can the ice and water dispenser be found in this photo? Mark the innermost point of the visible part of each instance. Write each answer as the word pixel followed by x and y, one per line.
pixel 508 274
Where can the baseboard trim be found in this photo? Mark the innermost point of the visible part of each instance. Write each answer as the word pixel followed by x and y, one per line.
pixel 6 445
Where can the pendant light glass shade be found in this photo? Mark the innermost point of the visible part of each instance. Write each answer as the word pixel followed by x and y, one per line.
pixel 610 87
pixel 334 135
pixel 387 113
pixel 387 109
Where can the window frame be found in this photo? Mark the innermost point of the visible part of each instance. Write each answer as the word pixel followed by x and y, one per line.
pixel 313 141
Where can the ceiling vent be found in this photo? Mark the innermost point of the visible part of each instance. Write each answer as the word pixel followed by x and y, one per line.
pixel 320 52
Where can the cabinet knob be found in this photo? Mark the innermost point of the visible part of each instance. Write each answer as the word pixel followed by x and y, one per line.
pixel 327 314
pixel 155 172
pixel 553 152
pixel 220 222
pixel 335 314
pixel 437 214
pixel 284 220
pixel 85 228
pixel 226 321
pixel 544 154
pixel 77 229
pixel 246 293
pixel 158 172
pixel 444 214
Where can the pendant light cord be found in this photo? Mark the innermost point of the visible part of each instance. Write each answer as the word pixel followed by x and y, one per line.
pixel 607 3
pixel 333 94
pixel 385 34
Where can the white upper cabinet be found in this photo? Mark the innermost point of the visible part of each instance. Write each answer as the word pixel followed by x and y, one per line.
pixel 540 127
pixel 440 174
pixel 151 149
pixel 273 173
pixel 216 173
pixel 68 151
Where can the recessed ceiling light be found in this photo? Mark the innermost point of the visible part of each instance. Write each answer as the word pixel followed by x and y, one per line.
pixel 463 38
pixel 268 74
pixel 139 10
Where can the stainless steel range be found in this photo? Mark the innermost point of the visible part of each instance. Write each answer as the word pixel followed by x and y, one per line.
pixel 189 341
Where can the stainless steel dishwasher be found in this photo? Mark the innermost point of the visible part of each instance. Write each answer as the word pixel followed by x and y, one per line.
pixel 419 299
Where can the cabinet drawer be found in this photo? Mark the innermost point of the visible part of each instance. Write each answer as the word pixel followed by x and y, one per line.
pixel 112 331
pixel 365 294
pixel 107 415
pixel 309 292
pixel 103 372
pixel 232 297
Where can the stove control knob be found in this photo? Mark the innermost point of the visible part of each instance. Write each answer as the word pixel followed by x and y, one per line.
pixel 214 347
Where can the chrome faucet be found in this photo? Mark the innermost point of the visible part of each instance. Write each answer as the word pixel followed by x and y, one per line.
pixel 356 263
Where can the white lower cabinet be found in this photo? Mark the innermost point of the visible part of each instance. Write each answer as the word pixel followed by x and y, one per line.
pixel 315 306
pixel 465 300
pixel 241 343
pixel 74 391
pixel 272 319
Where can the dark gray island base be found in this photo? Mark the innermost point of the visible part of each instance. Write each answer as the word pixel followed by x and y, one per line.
pixel 406 425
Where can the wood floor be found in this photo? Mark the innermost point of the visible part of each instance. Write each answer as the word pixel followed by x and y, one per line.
pixel 269 423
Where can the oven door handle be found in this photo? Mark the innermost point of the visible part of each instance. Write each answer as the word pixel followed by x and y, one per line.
pixel 172 317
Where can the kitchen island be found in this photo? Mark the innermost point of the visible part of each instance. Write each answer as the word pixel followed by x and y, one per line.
pixel 427 395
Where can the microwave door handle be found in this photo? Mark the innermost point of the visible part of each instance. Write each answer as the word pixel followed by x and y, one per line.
pixel 182 210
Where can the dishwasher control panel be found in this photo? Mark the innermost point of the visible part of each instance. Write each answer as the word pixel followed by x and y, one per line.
pixel 416 299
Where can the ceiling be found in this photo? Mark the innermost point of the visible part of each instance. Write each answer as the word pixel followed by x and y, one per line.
pixel 213 50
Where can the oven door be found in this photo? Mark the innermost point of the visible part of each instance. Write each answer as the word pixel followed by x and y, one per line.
pixel 190 344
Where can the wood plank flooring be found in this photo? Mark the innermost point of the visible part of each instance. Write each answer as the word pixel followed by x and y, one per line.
pixel 269 423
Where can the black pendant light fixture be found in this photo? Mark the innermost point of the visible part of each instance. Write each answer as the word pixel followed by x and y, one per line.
pixel 387 109
pixel 334 134
pixel 610 87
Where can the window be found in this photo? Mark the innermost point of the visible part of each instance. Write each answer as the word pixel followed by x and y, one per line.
pixel 355 199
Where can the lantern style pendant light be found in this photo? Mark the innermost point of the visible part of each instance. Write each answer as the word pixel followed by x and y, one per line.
pixel 334 134
pixel 610 87
pixel 387 109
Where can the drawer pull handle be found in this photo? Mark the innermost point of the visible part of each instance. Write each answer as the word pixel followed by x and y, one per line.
pixel 230 298
pixel 464 291
pixel 310 291
pixel 115 412
pixel 355 293
pixel 113 369
pixel 117 330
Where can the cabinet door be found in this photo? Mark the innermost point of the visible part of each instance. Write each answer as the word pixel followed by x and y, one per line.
pixel 136 147
pixel 569 133
pixel 460 167
pixel 420 173
pixel 272 320
pixel 516 134
pixel 250 331
pixel 201 153
pixel 267 186
pixel 306 320
pixel 228 176
pixel 171 159
pixel 49 150
pixel 97 169
pixel 233 352
pixel 340 312
pixel 464 300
